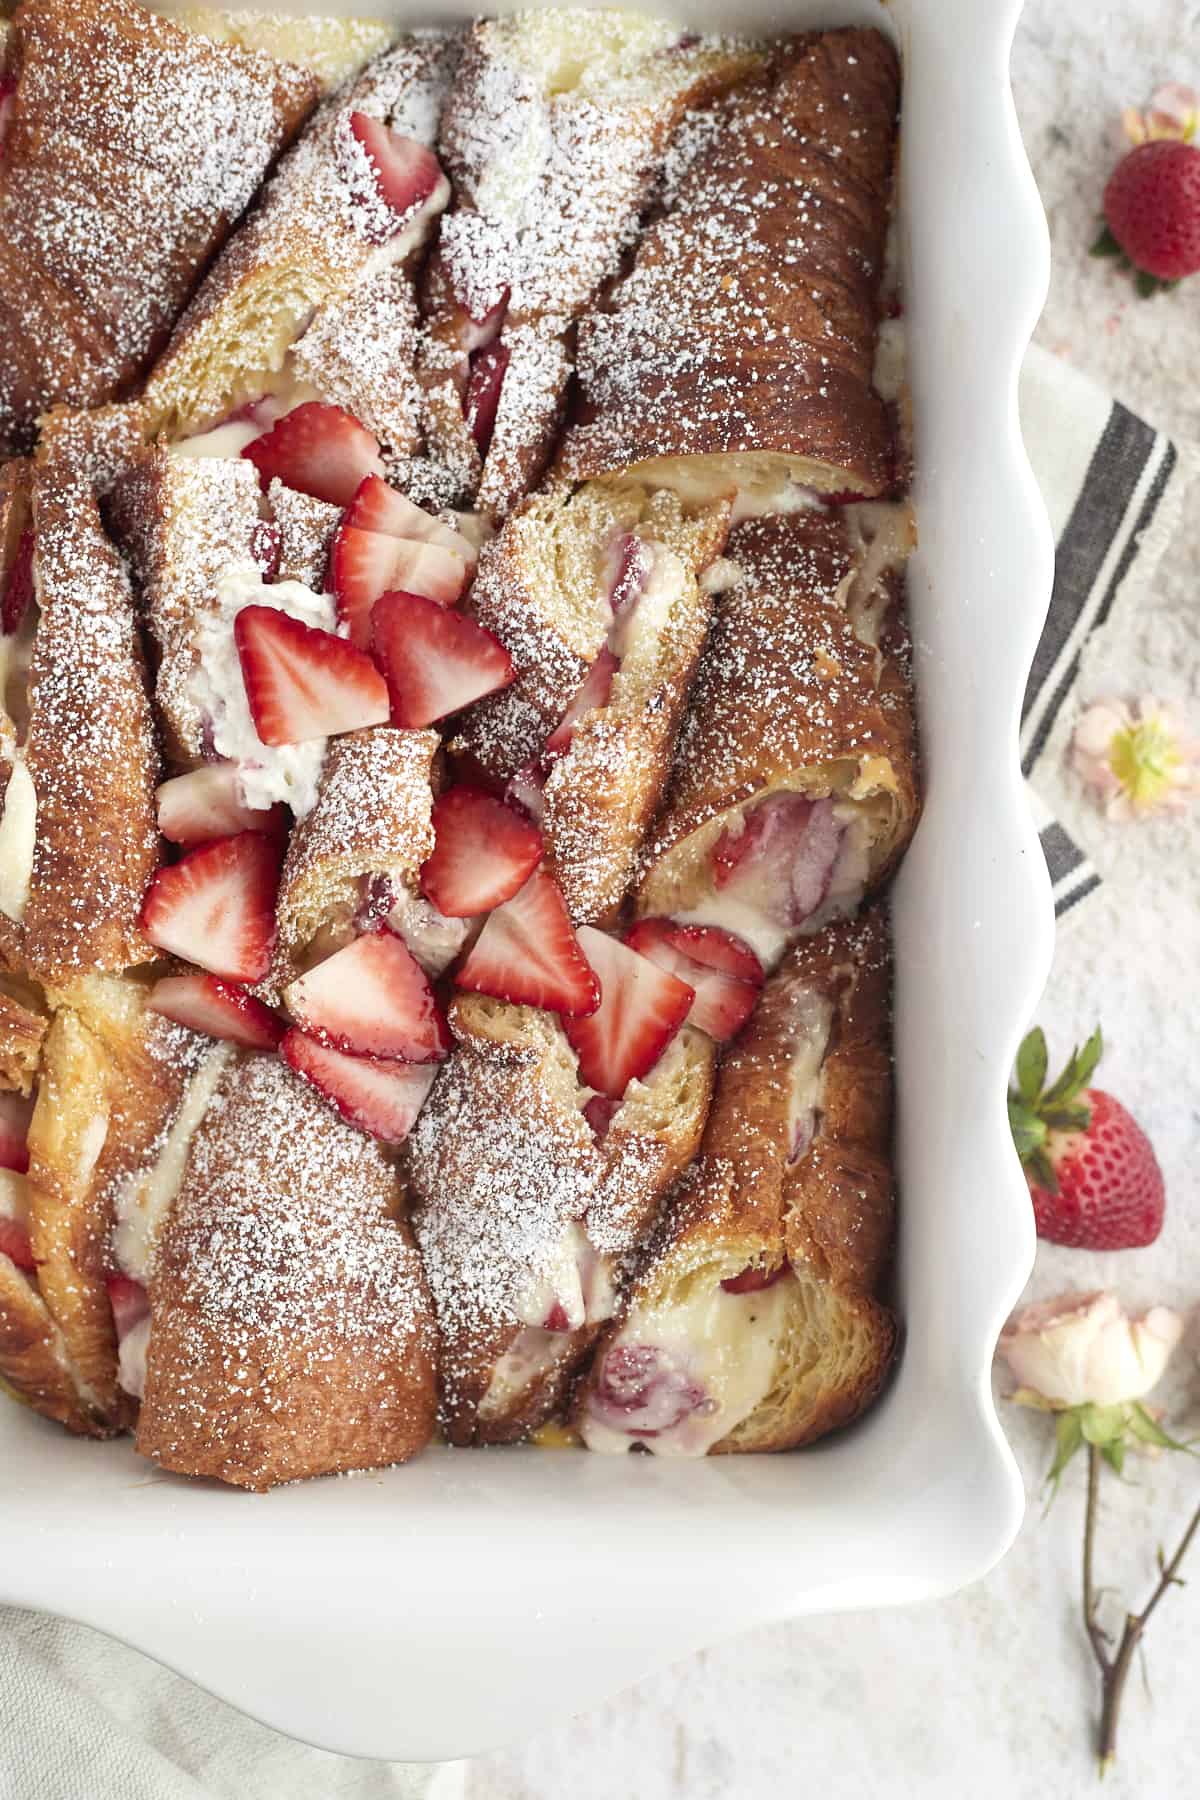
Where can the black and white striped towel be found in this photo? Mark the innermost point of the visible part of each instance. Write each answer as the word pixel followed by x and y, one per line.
pixel 1110 484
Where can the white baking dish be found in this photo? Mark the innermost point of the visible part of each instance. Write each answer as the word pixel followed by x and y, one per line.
pixel 468 1599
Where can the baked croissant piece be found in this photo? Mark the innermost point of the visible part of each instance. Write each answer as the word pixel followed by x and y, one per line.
pixel 553 156
pixel 601 595
pixel 793 790
pixel 739 348
pixel 525 1216
pixel 131 148
pixel 290 1332
pixel 753 1324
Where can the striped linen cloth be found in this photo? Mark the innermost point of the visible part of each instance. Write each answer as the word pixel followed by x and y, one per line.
pixel 1109 481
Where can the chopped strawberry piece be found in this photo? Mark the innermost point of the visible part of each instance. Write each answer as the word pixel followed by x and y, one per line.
pixel 723 970
pixel 631 562
pixel 129 1301
pixel 407 174
pixel 600 1112
pixel 319 450
pixel 216 906
pixel 266 548
pixel 382 1098
pixel 556 1319
pixel 527 953
pixel 371 998
pixel 527 790
pixel 483 852
pixel 782 860
pixel 482 400
pixel 754 1279
pixel 18 589
pixel 378 507
pixel 596 688
pixel 206 1004
pixel 302 683
pixel 206 804
pixel 641 1008
pixel 644 1391
pixel 844 497
pixel 15 1114
pixel 366 564
pixel 436 661
pixel 15 1244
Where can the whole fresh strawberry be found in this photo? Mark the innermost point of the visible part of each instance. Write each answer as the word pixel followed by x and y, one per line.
pixel 1092 1174
pixel 1152 213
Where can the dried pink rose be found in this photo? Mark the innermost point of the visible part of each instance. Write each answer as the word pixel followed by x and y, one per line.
pixel 1085 1350
pixel 1173 112
pixel 1136 757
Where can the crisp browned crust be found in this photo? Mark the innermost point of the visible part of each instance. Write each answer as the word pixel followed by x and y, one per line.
pixel 131 149
pixel 90 750
pixel 788 694
pixel 33 1365
pixel 747 324
pixel 23 1027
pixel 499 1164
pixel 290 1333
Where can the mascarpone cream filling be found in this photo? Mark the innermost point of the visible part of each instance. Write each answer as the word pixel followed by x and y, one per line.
pixel 144 1198
pixel 18 835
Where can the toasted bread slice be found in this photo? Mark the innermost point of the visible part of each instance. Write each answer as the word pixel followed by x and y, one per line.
pixel 34 1364
pixel 546 587
pixel 290 1333
pixel 333 50
pixel 519 1210
pixel 753 1324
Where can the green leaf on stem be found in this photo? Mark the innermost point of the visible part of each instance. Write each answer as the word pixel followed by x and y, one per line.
pixel 1031 1065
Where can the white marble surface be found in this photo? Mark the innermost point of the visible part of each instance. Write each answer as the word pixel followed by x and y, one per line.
pixel 990 1692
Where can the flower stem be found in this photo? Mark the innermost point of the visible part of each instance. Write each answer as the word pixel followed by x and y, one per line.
pixel 1116 1672
pixel 1096 1635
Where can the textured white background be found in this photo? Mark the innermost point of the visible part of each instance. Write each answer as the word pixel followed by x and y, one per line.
pixel 992 1692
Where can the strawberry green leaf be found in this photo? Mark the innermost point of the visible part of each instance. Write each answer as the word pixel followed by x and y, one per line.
pixel 1089 1057
pixel 1039 1167
pixel 1029 1132
pixel 1081 1065
pixel 1106 244
pixel 1067 1118
pixel 1146 284
pixel 1031 1065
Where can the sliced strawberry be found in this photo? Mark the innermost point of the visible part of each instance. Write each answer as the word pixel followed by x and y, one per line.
pixel 527 953
pixel 378 507
pixel 205 1003
pixel 782 860
pixel 597 686
pixel 15 1114
pixel 641 1008
pixel 366 564
pixel 371 998
pixel 216 906
pixel 319 450
pixel 527 790
pixel 129 1301
pixel 207 804
pixel 631 563
pixel 302 683
pixel 382 1098
pixel 436 661
pixel 407 174
pixel 15 1244
pixel 482 399
pixel 484 852
pixel 18 589
pixel 754 1279
pixel 600 1112
pixel 723 970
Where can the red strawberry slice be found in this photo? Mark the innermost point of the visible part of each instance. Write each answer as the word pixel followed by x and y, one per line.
pixel 18 589
pixel 407 174
pixel 217 1008
pixel 319 450
pixel 641 1008
pixel 597 686
pixel 216 906
pixel 302 683
pixel 527 790
pixel 207 804
pixel 483 852
pixel 371 998
pixel 436 661
pixel 723 970
pixel 754 1279
pixel 366 564
pixel 631 561
pixel 600 1112
pixel 15 1114
pixel 782 860
pixel 528 954
pixel 378 507
pixel 482 399
pixel 382 1098
pixel 129 1301
pixel 15 1244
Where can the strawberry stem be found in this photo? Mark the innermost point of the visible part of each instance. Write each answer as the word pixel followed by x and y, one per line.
pixel 1034 1110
